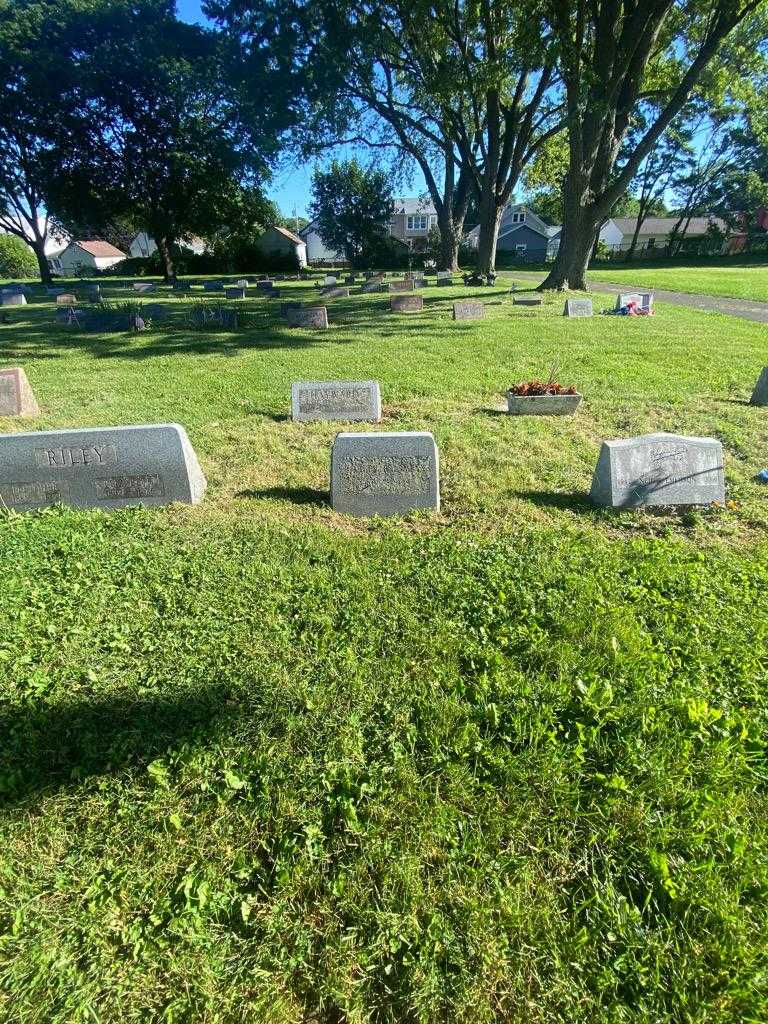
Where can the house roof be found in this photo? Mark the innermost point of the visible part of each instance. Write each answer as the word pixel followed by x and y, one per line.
pixel 413 204
pixel 99 249
pixel 289 234
pixel 664 225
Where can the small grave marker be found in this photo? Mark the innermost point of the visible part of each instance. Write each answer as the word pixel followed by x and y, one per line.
pixel 520 300
pixel 444 277
pixel 213 286
pixel 358 400
pixel 12 299
pixel 335 293
pixel 144 286
pixel 643 300
pixel 468 309
pixel 406 303
pixel 329 280
pixel 384 473
pixel 264 285
pixel 312 317
pixel 577 307
pixel 235 293
pixel 100 467
pixel 401 286
pixel 760 394
pixel 16 395
pixel 66 299
pixel 659 469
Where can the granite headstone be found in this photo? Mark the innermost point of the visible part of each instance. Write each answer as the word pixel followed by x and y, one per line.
pixel 760 394
pixel 16 395
pixel 384 473
pixel 358 400
pixel 577 307
pixel 468 309
pixel 406 303
pixel 313 317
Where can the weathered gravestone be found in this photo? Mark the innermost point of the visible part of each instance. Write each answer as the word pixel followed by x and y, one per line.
pixel 577 307
pixel 659 469
pixel 155 312
pixel 144 286
pixel 12 299
pixel 335 293
pixel 643 300
pixel 16 395
pixel 384 473
pixel 336 400
pixel 329 279
pixel 285 306
pixel 406 303
pixel 213 286
pixel 374 284
pixel 100 467
pixel 350 279
pixel 235 293
pixel 760 394
pixel 66 299
pixel 313 317
pixel 468 309
pixel 401 286
pixel 519 300
pixel 264 285
pixel 444 277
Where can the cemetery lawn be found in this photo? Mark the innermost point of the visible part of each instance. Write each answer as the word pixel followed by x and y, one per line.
pixel 260 762
pixel 729 279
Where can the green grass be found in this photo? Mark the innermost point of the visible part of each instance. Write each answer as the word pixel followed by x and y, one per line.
pixel 260 762
pixel 734 280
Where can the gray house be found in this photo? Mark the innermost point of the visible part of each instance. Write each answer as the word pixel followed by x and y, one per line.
pixel 522 232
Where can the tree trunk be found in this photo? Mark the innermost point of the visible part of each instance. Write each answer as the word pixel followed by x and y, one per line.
pixel 490 219
pixel 581 227
pixel 449 245
pixel 38 247
pixel 164 248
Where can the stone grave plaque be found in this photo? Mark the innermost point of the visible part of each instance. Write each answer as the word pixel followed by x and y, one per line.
pixel 336 400
pixel 760 394
pixel 12 299
pixel 468 309
pixel 373 284
pixel 66 299
pixel 520 300
pixel 329 280
pixel 643 300
pixel 264 285
pixel 444 277
pixel 401 286
pixel 213 286
pixel 335 293
pixel 313 317
pixel 155 312
pixel 577 307
pixel 16 395
pixel 384 473
pixel 406 303
pixel 659 469
pixel 235 293
pixel 144 286
pixel 100 467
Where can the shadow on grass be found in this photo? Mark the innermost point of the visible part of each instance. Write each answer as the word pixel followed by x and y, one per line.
pixel 296 495
pixel 47 748
pixel 578 501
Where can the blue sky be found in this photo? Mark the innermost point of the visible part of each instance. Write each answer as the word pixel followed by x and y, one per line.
pixel 290 186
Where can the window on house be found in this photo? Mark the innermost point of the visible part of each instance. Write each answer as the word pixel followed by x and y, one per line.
pixel 518 218
pixel 432 221
pixel 521 248
pixel 417 223
pixel 651 243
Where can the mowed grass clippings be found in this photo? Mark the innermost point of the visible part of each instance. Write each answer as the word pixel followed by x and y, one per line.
pixel 262 763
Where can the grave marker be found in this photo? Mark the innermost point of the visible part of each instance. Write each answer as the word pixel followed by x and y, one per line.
pixel 154 311
pixel 373 284
pixel 760 394
pixel 643 300
pixel 358 400
pixel 235 293
pixel 241 283
pixel 16 395
pixel 12 299
pixel 384 473
pixel 335 293
pixel 444 277
pixel 100 467
pixel 519 300
pixel 468 309
pixel 313 317
pixel 264 285
pixel 144 286
pixel 213 286
pixel 406 303
pixel 577 307
pixel 66 299
pixel 401 286
pixel 329 280
pixel 659 469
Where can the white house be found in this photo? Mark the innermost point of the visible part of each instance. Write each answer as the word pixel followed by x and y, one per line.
pixel 317 251
pixel 282 242
pixel 144 245
pixel 88 255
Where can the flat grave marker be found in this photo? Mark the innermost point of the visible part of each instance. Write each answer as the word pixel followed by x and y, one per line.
pixel 354 400
pixel 335 293
pixel 468 309
pixel 406 303
pixel 384 473
pixel 659 469
pixel 312 317
pixel 16 395
pixel 100 467
pixel 578 307
pixel 402 286
pixel 520 300
pixel 373 284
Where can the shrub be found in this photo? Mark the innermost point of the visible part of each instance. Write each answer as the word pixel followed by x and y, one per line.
pixel 16 258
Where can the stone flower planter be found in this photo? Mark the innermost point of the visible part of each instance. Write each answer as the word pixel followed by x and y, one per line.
pixel 542 405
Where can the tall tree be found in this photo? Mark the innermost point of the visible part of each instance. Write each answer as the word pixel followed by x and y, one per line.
pixel 613 55
pixel 161 138
pixel 352 206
